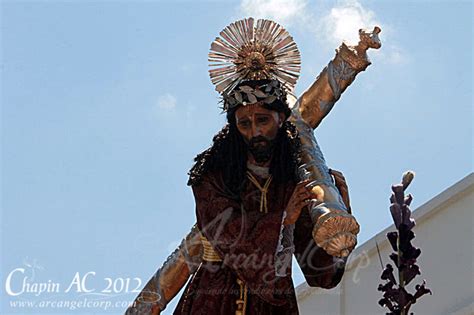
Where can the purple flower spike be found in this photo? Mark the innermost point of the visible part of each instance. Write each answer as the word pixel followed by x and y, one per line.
pixel 411 273
pixel 395 297
pixel 386 287
pixel 404 297
pixel 407 178
pixel 386 302
pixel 421 290
pixel 396 214
pixel 398 191
pixel 394 258
pixel 393 199
pixel 387 274
pixel 406 235
pixel 413 255
pixel 392 238
pixel 406 214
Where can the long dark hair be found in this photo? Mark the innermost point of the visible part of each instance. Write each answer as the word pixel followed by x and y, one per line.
pixel 228 152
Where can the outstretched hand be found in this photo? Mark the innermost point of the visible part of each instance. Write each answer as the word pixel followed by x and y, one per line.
pixel 300 198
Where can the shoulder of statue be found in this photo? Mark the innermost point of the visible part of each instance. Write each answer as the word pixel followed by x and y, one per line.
pixel 211 180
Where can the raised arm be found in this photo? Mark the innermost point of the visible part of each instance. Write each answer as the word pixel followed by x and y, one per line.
pixel 316 102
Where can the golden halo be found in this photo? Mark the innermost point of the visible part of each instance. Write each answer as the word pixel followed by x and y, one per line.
pixel 246 51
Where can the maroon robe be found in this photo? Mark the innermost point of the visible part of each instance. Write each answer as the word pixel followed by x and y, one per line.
pixel 246 239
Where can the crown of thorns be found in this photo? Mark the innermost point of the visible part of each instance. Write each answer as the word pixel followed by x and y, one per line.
pixel 264 94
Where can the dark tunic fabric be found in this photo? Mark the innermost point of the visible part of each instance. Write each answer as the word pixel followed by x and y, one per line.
pixel 247 239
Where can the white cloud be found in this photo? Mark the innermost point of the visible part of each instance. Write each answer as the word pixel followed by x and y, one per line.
pixel 332 25
pixel 329 24
pixel 285 12
pixel 343 21
pixel 166 101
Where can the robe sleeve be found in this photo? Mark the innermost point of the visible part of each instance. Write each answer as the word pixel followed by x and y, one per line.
pixel 245 239
pixel 319 268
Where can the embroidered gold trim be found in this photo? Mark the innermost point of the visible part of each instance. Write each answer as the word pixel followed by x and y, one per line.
pixel 242 300
pixel 209 253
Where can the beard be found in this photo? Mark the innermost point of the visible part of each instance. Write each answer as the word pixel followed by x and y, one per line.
pixel 261 148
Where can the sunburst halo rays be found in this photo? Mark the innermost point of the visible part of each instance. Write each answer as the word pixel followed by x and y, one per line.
pixel 248 50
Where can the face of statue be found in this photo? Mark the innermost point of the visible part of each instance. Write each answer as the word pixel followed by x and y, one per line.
pixel 259 127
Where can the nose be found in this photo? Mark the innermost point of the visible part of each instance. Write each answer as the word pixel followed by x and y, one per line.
pixel 255 130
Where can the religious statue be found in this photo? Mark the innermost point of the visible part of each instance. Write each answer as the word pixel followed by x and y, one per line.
pixel 263 191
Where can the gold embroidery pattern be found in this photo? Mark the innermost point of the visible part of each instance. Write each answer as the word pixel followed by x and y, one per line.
pixel 209 254
pixel 242 300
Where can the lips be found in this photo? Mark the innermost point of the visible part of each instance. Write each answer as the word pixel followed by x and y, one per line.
pixel 259 141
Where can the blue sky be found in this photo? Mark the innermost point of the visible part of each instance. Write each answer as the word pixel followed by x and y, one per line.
pixel 106 103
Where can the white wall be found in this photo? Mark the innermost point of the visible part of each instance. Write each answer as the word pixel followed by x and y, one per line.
pixel 444 234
